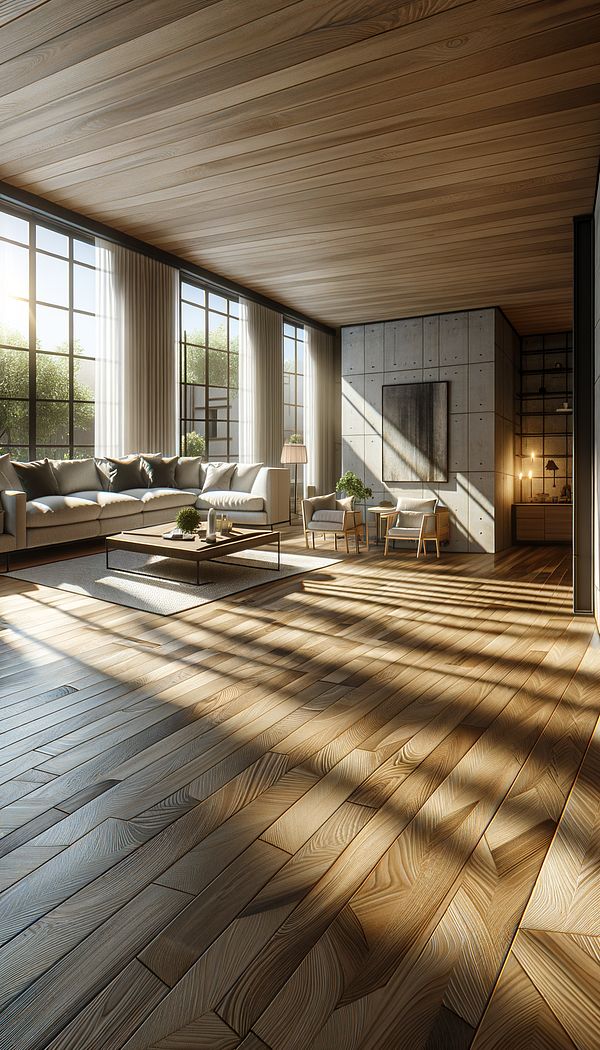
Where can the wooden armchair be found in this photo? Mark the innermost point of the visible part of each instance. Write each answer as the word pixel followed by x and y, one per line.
pixel 328 515
pixel 412 519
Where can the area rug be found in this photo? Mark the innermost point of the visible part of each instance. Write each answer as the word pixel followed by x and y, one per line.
pixel 222 579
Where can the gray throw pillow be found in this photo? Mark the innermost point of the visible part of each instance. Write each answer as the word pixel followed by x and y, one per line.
pixel 218 476
pixel 76 475
pixel 8 475
pixel 160 471
pixel 189 472
pixel 37 479
pixel 125 474
pixel 244 476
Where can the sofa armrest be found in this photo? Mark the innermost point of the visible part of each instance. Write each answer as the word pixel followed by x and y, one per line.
pixel 273 484
pixel 14 504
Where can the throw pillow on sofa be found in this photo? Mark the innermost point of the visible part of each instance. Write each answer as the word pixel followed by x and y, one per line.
pixel 76 475
pixel 126 473
pixel 160 471
pixel 8 475
pixel 218 476
pixel 189 472
pixel 37 479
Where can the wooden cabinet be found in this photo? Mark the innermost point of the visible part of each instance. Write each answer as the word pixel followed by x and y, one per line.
pixel 542 522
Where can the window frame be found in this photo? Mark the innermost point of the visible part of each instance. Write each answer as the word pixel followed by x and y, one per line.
pixel 210 421
pixel 33 448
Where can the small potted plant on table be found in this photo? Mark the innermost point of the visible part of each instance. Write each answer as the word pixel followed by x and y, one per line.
pixel 351 484
pixel 188 521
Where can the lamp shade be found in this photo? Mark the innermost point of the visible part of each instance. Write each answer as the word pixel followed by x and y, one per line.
pixel 551 465
pixel 294 454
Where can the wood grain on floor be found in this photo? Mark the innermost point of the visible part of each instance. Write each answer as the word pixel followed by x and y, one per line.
pixel 357 810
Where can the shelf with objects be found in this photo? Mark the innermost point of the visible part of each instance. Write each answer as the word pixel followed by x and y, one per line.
pixel 542 511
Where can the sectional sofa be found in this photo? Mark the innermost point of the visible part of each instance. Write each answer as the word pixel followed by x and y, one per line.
pixel 99 497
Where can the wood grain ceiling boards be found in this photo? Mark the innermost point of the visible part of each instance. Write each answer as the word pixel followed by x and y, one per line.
pixel 356 159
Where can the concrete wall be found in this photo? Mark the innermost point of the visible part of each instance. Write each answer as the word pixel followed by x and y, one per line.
pixel 476 351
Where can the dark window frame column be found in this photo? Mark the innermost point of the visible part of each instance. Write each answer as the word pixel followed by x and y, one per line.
pixel 583 415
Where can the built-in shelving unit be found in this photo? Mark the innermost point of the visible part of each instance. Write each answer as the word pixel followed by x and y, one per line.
pixel 546 382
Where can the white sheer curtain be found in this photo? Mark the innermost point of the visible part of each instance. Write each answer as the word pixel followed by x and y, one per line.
pixel 136 358
pixel 319 410
pixel 109 417
pixel 261 384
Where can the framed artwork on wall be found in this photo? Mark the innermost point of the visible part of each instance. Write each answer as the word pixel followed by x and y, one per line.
pixel 415 432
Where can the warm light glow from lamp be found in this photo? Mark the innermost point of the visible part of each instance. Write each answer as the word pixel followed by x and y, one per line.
pixel 530 476
pixel 520 486
pixel 551 465
pixel 293 453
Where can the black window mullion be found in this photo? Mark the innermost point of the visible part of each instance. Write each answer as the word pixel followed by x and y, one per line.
pixel 32 343
pixel 71 355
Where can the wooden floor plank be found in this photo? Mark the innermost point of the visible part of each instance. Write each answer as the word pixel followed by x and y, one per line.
pixel 313 818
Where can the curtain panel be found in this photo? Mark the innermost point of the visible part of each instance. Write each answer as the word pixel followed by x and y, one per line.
pixel 261 384
pixel 320 411
pixel 136 359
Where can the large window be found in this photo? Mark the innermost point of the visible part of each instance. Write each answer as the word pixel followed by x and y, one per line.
pixel 209 373
pixel 293 385
pixel 47 340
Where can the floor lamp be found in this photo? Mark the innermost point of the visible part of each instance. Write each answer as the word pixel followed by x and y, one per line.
pixel 295 454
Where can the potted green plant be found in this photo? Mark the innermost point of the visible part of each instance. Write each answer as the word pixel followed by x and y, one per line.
pixel 351 484
pixel 188 520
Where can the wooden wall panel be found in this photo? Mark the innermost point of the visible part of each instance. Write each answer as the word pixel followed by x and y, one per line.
pixel 367 159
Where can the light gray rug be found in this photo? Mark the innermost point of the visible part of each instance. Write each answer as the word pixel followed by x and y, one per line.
pixel 222 579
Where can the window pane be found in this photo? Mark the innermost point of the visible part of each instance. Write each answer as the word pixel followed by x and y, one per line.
pixel 57 451
pixel 234 332
pixel 53 329
pixel 52 377
pixel 217 331
pixel 194 442
pixel 52 423
pixel 192 293
pixel 14 271
pixel 83 424
pixel 14 228
pixel 234 308
pixel 14 374
pixel 84 252
pixel 14 423
pixel 20 453
pixel 84 334
pixel 192 324
pixel 234 371
pixel 288 330
pixel 300 357
pixel 194 402
pixel 83 452
pixel 196 365
pixel 84 288
pixel 299 390
pixel 217 368
pixel 51 241
pixel 217 302
pixel 14 323
pixel 83 379
pixel 52 280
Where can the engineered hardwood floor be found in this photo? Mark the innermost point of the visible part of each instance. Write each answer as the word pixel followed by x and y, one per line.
pixel 354 811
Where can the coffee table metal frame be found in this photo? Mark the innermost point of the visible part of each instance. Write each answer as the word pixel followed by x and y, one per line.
pixel 189 551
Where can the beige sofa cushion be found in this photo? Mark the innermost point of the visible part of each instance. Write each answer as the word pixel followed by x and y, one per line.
pixel 218 476
pixel 54 511
pixel 75 475
pixel 189 472
pixel 162 499
pixel 229 500
pixel 244 476
pixel 112 504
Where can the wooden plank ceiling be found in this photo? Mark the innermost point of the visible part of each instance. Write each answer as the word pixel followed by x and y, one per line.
pixel 355 159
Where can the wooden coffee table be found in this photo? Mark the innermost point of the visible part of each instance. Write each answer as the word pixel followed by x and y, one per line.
pixel 151 541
